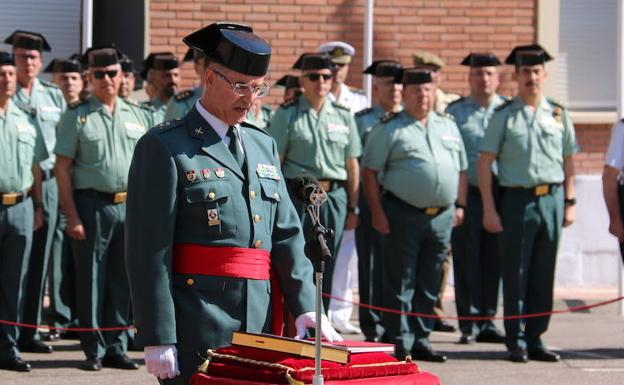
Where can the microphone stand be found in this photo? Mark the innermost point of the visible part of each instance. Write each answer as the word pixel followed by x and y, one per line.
pixel 317 250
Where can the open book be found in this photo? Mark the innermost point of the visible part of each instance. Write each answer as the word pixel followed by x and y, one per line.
pixel 330 351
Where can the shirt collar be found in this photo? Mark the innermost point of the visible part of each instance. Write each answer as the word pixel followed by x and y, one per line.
pixel 220 127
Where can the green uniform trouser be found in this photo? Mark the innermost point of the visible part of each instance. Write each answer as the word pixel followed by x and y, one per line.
pixel 61 279
pixel 368 245
pixel 103 295
pixel 476 267
pixel 39 257
pixel 413 255
pixel 621 198
pixel 16 224
pixel 333 215
pixel 531 231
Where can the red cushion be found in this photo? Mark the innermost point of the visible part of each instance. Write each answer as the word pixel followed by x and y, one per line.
pixel 361 365
pixel 421 378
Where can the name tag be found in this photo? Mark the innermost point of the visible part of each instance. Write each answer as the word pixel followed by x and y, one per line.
pixel 53 109
pixel 268 171
pixel 550 121
pixel 451 138
pixel 337 128
pixel 134 127
pixel 25 128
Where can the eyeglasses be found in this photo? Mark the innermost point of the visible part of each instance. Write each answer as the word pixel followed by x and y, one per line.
pixel 100 74
pixel 242 89
pixel 316 77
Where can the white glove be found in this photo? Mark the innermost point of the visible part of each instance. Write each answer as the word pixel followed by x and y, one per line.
pixel 308 320
pixel 162 361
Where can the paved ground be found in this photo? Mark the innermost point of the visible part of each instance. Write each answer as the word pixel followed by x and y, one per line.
pixel 591 344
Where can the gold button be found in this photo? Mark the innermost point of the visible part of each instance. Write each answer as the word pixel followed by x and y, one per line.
pixel 190 282
pixel 212 195
pixel 252 194
pixel 257 218
pixel 258 244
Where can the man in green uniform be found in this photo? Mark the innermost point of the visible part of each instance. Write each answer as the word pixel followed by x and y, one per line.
pixel 47 101
pixel 181 103
pixel 367 240
pixel 209 219
pixel 291 85
pixel 318 137
pixel 21 148
pixel 96 139
pixel 259 115
pixel 67 74
pixel 476 258
pixel 128 81
pixel 532 140
pixel 420 161
pixel 162 71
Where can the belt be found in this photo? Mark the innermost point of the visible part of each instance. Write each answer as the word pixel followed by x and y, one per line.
pixel 237 262
pixel 430 211
pixel 538 191
pixel 10 199
pixel 115 198
pixel 47 174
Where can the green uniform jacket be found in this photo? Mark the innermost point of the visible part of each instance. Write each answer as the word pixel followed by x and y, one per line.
pixel 157 110
pixel 420 165
pixel 315 144
pixel 21 146
pixel 100 145
pixel 181 103
pixel 530 145
pixel 262 120
pixel 181 174
pixel 47 102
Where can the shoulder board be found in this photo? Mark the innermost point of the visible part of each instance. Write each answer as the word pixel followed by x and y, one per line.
pixel 26 108
pixel 267 108
pixel 48 84
pixel 389 116
pixel 290 102
pixel 505 98
pixel 184 95
pixel 249 125
pixel 357 91
pixel 504 105
pixel 146 106
pixel 445 115
pixel 75 104
pixel 456 101
pixel 169 124
pixel 341 106
pixel 132 102
pixel 555 103
pixel 363 112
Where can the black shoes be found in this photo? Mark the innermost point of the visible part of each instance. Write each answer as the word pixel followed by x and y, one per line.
pixel 443 326
pixel 92 364
pixel 518 355
pixel 34 346
pixel 119 362
pixel 493 336
pixel 16 364
pixel 466 339
pixel 427 354
pixel 544 355
pixel 52 336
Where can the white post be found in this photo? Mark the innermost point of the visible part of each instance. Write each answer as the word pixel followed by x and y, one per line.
pixel 87 24
pixel 620 112
pixel 368 45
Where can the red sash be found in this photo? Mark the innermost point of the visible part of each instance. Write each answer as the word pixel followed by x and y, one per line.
pixel 238 262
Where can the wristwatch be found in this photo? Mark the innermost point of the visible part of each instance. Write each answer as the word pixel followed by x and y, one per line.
pixel 355 210
pixel 569 201
pixel 38 205
pixel 460 206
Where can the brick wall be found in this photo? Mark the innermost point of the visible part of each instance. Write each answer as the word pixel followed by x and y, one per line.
pixel 449 28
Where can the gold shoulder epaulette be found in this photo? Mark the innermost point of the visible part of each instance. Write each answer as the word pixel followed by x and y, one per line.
pixel 363 112
pixel 184 95
pixel 389 116
pixel 504 105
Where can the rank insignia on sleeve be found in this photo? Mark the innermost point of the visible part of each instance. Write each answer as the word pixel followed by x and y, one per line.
pixel 219 172
pixel 205 173
pixel 213 217
pixel 191 176
pixel 268 171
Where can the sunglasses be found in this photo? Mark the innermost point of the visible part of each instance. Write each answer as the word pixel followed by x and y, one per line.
pixel 100 74
pixel 316 77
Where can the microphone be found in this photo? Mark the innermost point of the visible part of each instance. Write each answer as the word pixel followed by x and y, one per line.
pixel 308 190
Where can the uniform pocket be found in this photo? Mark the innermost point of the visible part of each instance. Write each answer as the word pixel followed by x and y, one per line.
pixel 552 142
pixel 215 199
pixel 270 199
pixel 26 146
pixel 454 148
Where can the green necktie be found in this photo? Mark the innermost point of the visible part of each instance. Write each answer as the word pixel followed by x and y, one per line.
pixel 235 146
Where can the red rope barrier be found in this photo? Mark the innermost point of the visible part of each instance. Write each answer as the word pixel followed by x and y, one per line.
pixel 29 326
pixel 478 318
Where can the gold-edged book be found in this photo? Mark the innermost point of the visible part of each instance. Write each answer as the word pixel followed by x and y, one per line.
pixel 335 352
